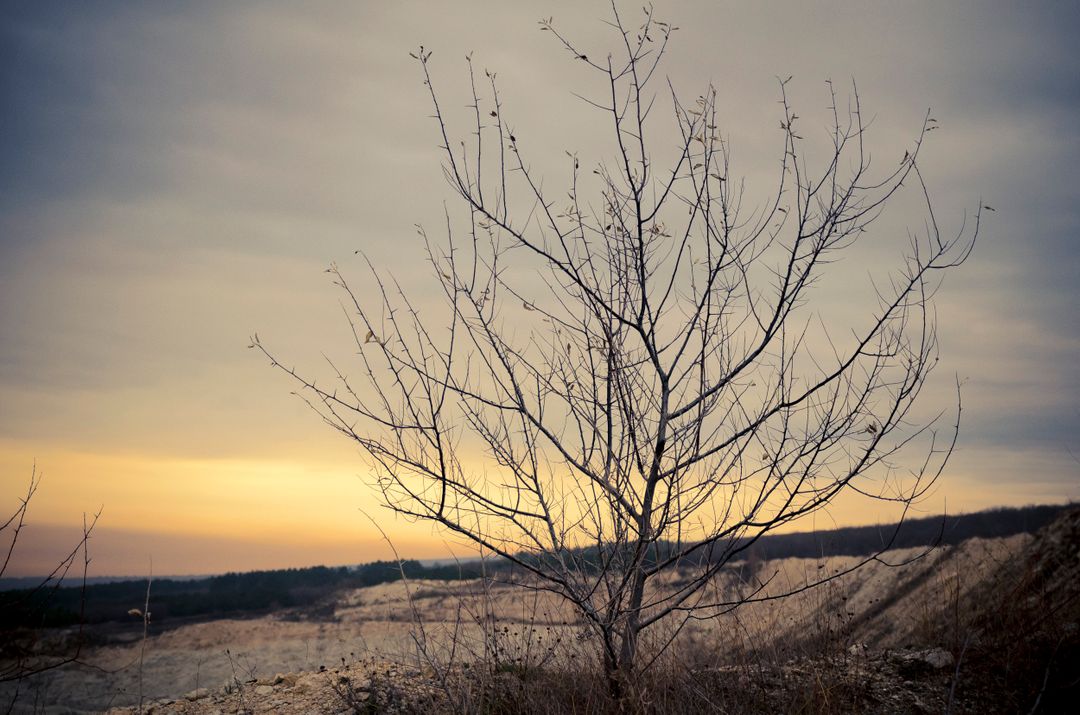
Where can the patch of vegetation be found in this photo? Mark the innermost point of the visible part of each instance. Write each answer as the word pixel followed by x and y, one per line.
pixel 305 591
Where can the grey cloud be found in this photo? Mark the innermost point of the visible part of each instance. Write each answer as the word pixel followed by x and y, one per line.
pixel 172 179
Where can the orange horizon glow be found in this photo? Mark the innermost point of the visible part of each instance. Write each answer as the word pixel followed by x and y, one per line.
pixel 203 516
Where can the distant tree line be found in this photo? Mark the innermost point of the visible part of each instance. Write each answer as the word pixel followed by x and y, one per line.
pixel 848 541
pixel 927 531
pixel 304 589
pixel 230 594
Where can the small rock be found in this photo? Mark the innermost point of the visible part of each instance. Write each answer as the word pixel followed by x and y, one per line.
pixel 264 689
pixel 310 682
pixel 197 694
pixel 914 661
pixel 938 659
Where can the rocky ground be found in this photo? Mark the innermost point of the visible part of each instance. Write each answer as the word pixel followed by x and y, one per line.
pixel 904 681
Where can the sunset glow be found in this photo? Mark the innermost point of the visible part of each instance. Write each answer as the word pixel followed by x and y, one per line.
pixel 175 180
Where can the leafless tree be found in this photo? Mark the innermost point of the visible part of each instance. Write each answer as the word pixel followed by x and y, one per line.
pixel 20 657
pixel 630 381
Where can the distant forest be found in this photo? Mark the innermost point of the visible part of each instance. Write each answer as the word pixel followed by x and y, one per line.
pixel 927 531
pixel 309 592
pixel 301 591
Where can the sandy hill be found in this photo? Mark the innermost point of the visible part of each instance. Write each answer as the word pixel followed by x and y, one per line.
pixel 987 625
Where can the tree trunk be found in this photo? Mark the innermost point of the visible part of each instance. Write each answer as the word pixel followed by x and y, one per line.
pixel 620 670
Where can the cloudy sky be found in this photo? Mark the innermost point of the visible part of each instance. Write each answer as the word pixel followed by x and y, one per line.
pixel 176 176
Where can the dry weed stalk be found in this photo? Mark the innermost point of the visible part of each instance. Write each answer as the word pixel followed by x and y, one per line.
pixel 21 660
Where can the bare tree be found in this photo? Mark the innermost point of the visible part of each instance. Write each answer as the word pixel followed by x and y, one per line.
pixel 21 657
pixel 656 394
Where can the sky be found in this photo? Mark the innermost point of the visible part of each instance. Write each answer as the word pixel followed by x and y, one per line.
pixel 177 176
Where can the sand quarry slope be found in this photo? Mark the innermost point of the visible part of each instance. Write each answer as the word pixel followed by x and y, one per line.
pixel 899 630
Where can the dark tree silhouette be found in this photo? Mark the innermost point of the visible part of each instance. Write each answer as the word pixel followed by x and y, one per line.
pixel 27 611
pixel 658 395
